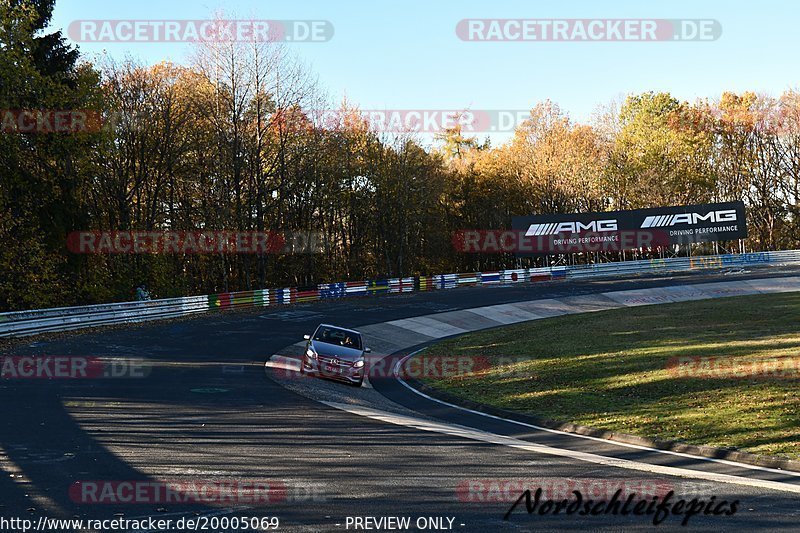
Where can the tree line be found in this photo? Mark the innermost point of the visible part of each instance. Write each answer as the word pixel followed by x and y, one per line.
pixel 231 141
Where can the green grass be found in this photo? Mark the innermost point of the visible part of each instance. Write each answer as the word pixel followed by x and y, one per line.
pixel 609 370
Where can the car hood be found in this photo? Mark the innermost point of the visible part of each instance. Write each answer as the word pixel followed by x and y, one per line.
pixel 334 350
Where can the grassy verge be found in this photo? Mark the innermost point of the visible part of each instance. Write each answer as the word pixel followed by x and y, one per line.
pixel 612 370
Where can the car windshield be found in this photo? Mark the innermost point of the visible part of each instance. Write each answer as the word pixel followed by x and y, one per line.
pixel 341 337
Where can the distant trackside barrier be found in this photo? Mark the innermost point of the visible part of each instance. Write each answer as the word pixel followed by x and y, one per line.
pixel 22 323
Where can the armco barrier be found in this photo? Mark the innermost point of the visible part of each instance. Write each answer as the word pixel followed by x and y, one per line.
pixel 445 281
pixel 307 294
pixel 69 318
pixel 358 288
pixel 539 274
pixel 488 278
pixel 468 279
pixel 424 283
pixel 377 286
pixel 286 296
pixel 518 275
pixel 398 285
pixel 332 290
pixel 249 298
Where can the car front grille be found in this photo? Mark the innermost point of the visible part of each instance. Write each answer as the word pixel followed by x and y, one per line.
pixel 333 361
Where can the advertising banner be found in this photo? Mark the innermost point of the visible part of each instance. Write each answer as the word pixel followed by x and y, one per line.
pixel 639 228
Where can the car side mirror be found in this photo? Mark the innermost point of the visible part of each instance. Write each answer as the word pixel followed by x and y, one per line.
pixel 307 337
pixel 367 350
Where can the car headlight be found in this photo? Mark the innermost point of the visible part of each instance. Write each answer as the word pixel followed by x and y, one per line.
pixel 310 353
pixel 359 363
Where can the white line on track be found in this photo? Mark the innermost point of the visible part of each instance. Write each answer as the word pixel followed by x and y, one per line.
pixel 577 435
pixel 491 438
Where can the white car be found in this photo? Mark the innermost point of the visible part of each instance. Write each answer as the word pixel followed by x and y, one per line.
pixel 335 353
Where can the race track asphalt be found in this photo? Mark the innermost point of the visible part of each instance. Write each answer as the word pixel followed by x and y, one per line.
pixel 207 412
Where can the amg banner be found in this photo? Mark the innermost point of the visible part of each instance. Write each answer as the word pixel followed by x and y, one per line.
pixel 639 228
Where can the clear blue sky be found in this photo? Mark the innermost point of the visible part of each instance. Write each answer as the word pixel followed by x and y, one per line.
pixel 406 55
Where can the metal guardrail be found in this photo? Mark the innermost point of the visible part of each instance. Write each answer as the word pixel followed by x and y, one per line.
pixel 22 323
pixel 677 264
pixel 67 318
